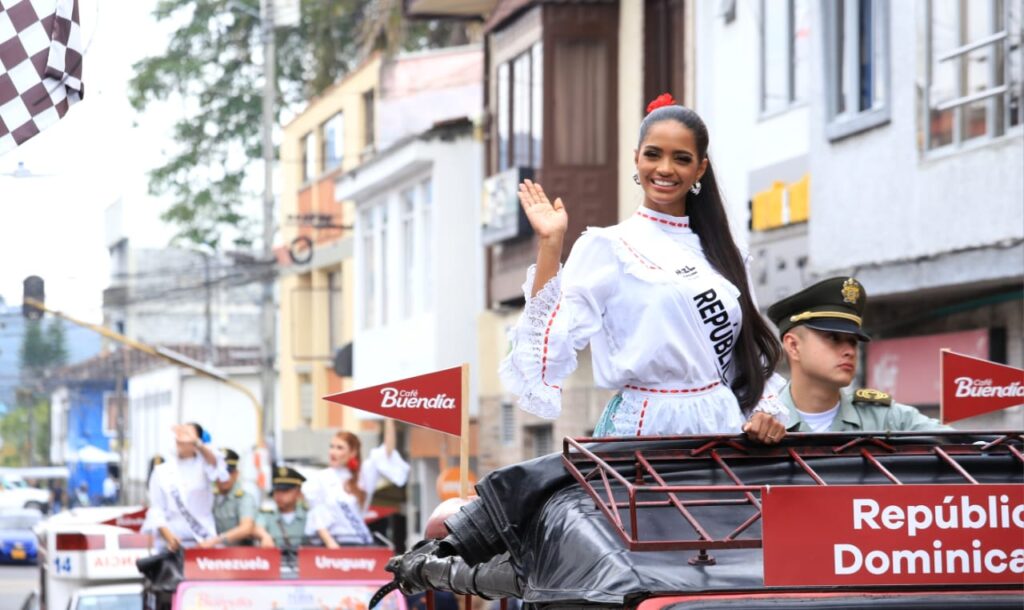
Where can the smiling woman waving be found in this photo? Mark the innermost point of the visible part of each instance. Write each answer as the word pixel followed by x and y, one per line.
pixel 662 298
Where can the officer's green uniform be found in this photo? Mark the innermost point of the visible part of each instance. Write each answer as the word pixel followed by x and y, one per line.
pixel 286 533
pixel 868 410
pixel 837 305
pixel 230 508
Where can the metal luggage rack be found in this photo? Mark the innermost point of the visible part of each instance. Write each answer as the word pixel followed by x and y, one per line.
pixel 605 473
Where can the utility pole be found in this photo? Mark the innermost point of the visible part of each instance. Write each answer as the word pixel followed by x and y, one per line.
pixel 267 319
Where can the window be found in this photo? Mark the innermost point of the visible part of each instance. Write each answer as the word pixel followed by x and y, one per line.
pixel 333 137
pixel 369 265
pixel 335 310
pixel 426 258
pixel 410 273
pixel 508 423
pixel 308 157
pixel 857 60
pixel 368 118
pixel 114 412
pixel 785 40
pixel 540 439
pixel 382 269
pixel 520 110
pixel 581 80
pixel 972 70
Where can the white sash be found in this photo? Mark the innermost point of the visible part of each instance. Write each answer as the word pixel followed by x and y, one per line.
pixel 173 489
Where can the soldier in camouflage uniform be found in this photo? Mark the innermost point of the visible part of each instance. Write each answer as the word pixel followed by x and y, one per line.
pixel 234 509
pixel 283 525
pixel 821 330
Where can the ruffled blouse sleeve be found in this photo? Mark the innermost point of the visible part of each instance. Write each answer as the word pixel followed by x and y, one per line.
pixel 557 322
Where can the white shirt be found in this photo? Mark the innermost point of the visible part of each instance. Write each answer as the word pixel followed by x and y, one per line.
pixel 819 422
pixel 179 486
pixel 661 323
pixel 333 508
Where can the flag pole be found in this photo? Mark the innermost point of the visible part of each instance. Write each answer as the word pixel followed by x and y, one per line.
pixel 942 384
pixel 464 436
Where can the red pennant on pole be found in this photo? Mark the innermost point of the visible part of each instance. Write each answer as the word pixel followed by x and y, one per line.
pixel 433 400
pixel 973 386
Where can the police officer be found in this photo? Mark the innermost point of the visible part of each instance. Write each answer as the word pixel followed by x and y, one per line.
pixel 283 525
pixel 821 328
pixel 234 509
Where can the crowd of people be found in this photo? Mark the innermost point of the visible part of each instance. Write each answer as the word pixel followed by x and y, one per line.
pixel 196 499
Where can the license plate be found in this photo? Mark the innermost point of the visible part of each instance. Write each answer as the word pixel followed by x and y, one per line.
pixel 17 553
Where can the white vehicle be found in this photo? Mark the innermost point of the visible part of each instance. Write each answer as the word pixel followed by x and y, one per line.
pixel 108 597
pixel 16 493
pixel 78 552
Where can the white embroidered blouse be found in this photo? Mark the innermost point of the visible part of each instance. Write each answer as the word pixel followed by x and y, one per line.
pixel 661 324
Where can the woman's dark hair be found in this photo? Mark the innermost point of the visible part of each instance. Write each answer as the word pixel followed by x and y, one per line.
pixel 197 427
pixel 757 351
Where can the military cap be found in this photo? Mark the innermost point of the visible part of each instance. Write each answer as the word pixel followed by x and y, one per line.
pixel 230 458
pixel 286 477
pixel 833 305
pixel 158 459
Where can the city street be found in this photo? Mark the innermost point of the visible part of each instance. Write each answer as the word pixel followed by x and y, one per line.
pixel 16 583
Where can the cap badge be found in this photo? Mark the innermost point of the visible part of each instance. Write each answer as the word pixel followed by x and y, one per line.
pixel 282 471
pixel 851 291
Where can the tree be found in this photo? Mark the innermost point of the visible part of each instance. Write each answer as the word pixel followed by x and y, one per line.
pixel 28 428
pixel 212 63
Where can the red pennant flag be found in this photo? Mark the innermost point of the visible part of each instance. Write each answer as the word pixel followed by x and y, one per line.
pixel 132 520
pixel 972 386
pixel 433 400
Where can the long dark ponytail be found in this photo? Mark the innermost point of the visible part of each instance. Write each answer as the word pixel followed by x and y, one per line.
pixel 757 350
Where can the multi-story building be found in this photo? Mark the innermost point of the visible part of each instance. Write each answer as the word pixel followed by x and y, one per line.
pixel 161 294
pixel 332 135
pixel 418 259
pixel 881 140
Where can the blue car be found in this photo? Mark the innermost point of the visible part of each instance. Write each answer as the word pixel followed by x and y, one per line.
pixel 18 543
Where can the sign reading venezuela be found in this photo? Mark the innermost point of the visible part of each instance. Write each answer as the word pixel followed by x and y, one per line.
pixel 433 400
pixel 893 534
pixel 233 563
pixel 973 386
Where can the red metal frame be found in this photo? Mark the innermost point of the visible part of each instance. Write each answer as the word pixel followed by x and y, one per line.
pixel 598 475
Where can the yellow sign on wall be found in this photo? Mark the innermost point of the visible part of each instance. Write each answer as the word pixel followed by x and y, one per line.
pixel 781 204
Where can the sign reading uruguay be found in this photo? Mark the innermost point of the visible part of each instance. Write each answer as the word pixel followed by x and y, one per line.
pixel 432 401
pixel 973 386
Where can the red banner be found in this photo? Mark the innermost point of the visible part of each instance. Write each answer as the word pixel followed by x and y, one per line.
pixel 973 386
pixel 893 534
pixel 433 400
pixel 237 563
pixel 132 520
pixel 344 564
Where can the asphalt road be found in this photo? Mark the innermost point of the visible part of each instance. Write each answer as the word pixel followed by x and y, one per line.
pixel 16 582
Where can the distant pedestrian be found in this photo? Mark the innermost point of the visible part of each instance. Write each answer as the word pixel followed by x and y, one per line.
pixel 81 497
pixel 111 490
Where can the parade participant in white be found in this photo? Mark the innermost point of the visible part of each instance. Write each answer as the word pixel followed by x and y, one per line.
pixel 180 492
pixel 340 494
pixel 658 299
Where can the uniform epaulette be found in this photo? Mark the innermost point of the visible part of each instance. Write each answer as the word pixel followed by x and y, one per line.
pixel 267 509
pixel 867 396
pixel 239 492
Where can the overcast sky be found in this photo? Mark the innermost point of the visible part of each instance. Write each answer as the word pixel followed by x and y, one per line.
pixel 53 225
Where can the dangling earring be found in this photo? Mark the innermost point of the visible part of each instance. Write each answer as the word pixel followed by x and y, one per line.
pixel 636 178
pixel 695 189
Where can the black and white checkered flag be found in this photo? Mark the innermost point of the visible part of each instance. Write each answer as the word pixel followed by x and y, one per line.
pixel 40 66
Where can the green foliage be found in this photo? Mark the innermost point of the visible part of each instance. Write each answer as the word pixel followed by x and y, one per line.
pixel 41 351
pixel 26 432
pixel 213 64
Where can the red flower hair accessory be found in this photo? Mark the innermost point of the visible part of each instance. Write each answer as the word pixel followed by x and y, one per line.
pixel 665 99
pixel 353 464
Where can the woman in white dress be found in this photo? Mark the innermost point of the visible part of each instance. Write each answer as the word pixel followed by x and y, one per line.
pixel 662 298
pixel 340 494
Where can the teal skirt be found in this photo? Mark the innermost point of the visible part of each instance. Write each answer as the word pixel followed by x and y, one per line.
pixel 605 424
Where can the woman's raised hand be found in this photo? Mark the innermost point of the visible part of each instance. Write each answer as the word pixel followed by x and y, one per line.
pixel 549 220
